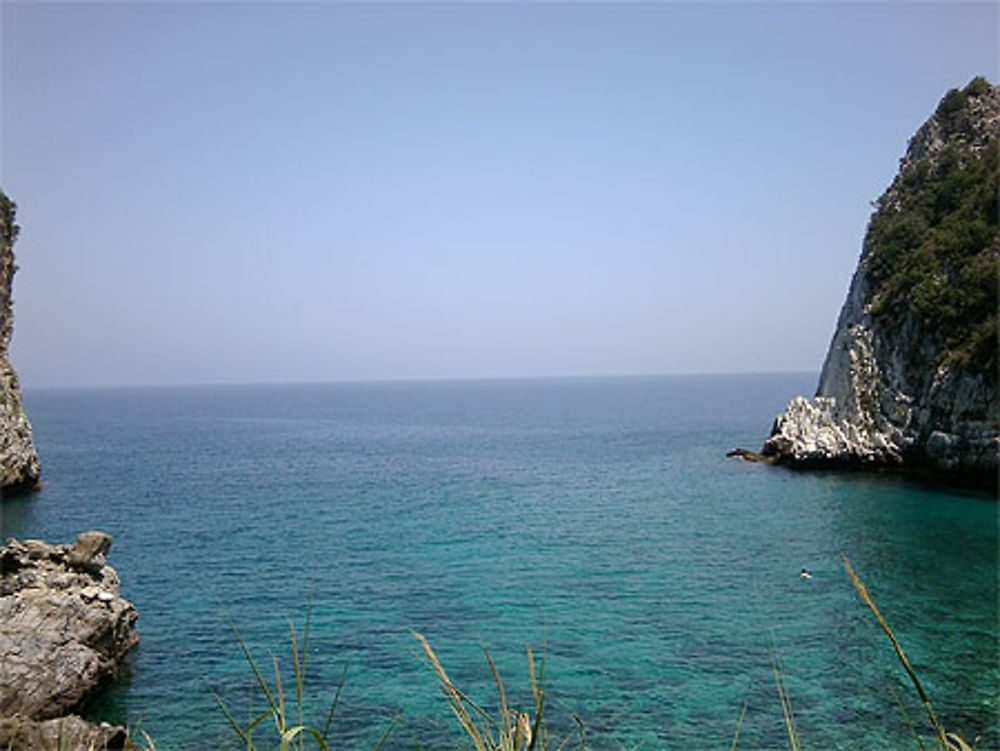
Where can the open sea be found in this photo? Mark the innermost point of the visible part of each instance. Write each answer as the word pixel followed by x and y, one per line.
pixel 597 520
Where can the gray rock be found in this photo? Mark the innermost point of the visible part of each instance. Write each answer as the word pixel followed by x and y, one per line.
pixel 69 732
pixel 887 397
pixel 89 551
pixel 37 550
pixel 20 469
pixel 64 631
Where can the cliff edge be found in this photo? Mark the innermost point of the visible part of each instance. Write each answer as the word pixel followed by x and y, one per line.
pixel 19 466
pixel 910 379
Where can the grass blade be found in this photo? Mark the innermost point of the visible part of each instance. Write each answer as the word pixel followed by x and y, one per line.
pixel 388 731
pixel 506 726
pixel 243 733
pixel 453 696
pixel 739 727
pixel 253 667
pixel 906 717
pixel 866 598
pixel 581 728
pixel 336 700
pixel 786 704
pixel 537 691
pixel 280 718
pixel 299 679
pixel 289 736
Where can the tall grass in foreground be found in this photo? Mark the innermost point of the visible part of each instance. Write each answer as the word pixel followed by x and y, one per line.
pixel 289 731
pixel 509 729
pixel 943 740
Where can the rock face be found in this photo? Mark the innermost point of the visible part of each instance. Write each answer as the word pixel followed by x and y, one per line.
pixel 69 733
pixel 64 630
pixel 910 379
pixel 19 466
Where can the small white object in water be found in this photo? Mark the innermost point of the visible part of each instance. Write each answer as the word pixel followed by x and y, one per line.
pixel 805 575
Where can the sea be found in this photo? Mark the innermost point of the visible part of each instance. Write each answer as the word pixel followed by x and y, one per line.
pixel 596 520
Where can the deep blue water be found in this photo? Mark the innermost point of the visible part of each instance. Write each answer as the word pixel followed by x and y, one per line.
pixel 596 519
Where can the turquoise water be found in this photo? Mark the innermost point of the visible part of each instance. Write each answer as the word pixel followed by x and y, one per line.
pixel 596 517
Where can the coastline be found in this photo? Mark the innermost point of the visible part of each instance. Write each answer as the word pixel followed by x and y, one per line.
pixel 64 631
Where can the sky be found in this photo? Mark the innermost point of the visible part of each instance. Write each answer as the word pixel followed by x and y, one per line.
pixel 253 192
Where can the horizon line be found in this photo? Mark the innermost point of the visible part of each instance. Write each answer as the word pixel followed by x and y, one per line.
pixel 376 380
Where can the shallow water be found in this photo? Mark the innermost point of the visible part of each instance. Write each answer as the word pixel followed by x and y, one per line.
pixel 597 517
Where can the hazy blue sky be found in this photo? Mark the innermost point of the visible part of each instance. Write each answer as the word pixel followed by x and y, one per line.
pixel 257 192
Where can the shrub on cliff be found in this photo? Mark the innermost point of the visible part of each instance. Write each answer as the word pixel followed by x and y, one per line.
pixel 8 212
pixel 934 245
pixel 952 102
pixel 978 86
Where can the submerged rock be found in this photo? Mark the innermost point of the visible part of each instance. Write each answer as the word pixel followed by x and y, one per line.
pixel 64 631
pixel 910 379
pixel 19 466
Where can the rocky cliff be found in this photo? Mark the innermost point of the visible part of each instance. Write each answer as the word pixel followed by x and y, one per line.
pixel 19 467
pixel 64 631
pixel 910 379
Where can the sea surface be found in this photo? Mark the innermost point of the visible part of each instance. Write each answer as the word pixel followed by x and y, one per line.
pixel 597 520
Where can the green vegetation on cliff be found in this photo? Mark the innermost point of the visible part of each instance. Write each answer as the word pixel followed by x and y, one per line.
pixel 934 245
pixel 8 211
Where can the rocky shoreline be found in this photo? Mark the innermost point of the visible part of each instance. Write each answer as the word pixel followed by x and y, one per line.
pixel 909 383
pixel 64 626
pixel 64 631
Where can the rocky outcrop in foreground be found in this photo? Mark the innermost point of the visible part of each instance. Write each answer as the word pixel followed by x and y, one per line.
pixel 910 379
pixel 64 631
pixel 19 466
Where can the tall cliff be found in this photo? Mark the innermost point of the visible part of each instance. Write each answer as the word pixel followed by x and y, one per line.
pixel 910 379
pixel 19 466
